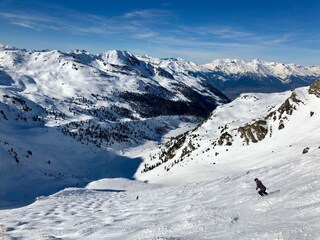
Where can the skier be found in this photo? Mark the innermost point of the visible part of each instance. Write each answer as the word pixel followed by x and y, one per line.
pixel 262 190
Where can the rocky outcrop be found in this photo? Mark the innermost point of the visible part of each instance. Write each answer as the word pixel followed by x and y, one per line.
pixel 254 132
pixel 169 152
pixel 225 139
pixel 315 88
pixel 288 106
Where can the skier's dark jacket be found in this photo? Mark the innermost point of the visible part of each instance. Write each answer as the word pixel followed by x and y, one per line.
pixel 261 186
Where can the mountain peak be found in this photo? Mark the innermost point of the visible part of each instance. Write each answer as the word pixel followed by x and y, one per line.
pixel 257 60
pixel 119 57
pixel 7 47
pixel 260 67
pixel 80 51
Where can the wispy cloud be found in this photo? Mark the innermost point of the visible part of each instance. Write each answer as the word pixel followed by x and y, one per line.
pixel 224 32
pixel 148 14
pixel 24 24
pixel 141 24
pixel 36 22
pixel 135 23
pixel 153 27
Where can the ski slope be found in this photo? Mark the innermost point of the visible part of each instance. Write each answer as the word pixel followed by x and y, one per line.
pixel 224 208
pixel 205 196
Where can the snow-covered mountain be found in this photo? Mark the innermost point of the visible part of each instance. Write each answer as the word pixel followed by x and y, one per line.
pixel 209 192
pixel 113 90
pixel 251 131
pixel 69 119
pixel 119 74
pixel 63 114
pixel 262 68
pixel 234 77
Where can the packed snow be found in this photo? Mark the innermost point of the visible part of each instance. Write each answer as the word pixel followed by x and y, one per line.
pixel 223 208
pixel 198 199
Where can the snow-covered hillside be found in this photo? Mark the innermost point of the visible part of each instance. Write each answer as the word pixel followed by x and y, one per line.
pixel 67 117
pixel 186 79
pixel 253 131
pixel 223 208
pixel 107 98
pixel 120 77
pixel 69 120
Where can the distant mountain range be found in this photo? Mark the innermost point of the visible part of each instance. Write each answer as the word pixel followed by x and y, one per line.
pixel 127 81
pixel 234 77
pixel 230 76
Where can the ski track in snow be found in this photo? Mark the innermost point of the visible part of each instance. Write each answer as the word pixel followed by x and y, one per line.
pixel 224 208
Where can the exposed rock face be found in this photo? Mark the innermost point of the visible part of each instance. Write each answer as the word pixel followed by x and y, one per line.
pixel 169 152
pixel 254 132
pixel 306 150
pixel 315 88
pixel 225 139
pixel 288 106
pixel 258 130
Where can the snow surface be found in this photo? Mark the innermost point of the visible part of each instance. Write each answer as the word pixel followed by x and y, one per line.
pixel 64 75
pixel 198 199
pixel 208 195
pixel 225 208
pixel 301 130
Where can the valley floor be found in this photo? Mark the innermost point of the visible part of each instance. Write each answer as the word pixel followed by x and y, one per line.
pixel 223 208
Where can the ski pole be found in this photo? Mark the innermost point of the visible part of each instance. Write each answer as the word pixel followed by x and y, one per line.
pixel 2 231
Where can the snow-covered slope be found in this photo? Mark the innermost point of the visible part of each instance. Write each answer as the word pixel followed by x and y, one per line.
pixel 253 131
pixel 198 185
pixel 116 75
pixel 227 208
pixel 63 114
pixel 113 91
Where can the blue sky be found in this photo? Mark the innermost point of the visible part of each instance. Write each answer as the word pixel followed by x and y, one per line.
pixel 196 30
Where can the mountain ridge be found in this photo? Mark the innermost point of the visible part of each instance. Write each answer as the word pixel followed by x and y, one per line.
pixel 66 118
pixel 266 126
pixel 96 107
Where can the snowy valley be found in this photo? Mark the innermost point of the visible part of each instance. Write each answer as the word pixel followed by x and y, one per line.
pixel 117 146
pixel 67 118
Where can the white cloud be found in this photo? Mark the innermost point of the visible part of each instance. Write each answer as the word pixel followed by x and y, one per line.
pixel 143 25
pixel 24 24
pixel 153 27
pixel 148 14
